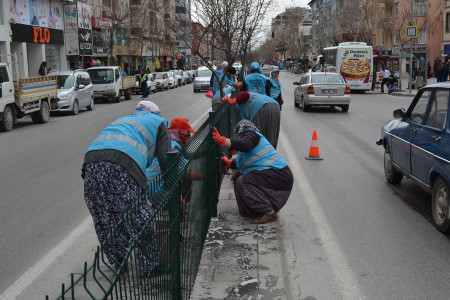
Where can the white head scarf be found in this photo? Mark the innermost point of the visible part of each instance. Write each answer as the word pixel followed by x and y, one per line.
pixel 147 106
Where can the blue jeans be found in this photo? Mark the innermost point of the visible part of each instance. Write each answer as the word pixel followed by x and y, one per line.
pixel 144 91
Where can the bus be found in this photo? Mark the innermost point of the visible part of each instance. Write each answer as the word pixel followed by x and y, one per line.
pixel 354 61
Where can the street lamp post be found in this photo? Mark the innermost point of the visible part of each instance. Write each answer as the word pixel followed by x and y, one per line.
pixel 411 48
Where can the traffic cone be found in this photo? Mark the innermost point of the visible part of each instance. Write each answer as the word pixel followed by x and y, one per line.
pixel 314 149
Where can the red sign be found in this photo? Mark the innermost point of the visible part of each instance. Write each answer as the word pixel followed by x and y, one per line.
pixel 101 23
pixel 41 35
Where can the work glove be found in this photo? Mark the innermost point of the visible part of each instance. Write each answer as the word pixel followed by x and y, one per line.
pixel 226 98
pixel 195 176
pixel 226 161
pixel 229 100
pixel 218 139
pixel 238 84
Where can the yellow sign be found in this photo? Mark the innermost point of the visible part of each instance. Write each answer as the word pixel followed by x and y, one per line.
pixel 411 32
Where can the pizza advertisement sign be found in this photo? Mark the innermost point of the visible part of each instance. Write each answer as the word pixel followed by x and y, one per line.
pixel 356 65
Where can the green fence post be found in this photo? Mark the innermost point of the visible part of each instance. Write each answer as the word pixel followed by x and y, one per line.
pixel 174 223
pixel 217 174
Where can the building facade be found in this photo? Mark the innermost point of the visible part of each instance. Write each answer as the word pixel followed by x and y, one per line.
pixel 446 29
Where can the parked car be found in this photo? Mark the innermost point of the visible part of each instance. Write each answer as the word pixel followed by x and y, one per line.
pixel 162 80
pixel 75 91
pixel 151 84
pixel 178 77
pixel 173 81
pixel 188 77
pixel 265 70
pixel 202 78
pixel 322 89
pixel 417 145
pixel 192 73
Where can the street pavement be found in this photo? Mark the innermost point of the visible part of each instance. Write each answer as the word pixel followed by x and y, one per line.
pixel 46 231
pixel 345 233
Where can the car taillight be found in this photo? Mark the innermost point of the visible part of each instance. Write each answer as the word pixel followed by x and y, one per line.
pixel 347 90
pixel 310 90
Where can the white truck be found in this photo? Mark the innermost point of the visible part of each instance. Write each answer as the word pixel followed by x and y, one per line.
pixel 109 83
pixel 19 97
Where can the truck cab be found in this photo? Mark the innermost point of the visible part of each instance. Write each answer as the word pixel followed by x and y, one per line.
pixel 106 81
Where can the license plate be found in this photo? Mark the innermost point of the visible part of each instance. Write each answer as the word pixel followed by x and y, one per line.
pixel 97 95
pixel 329 92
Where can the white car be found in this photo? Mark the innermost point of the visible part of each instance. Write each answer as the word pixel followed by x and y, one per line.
pixel 75 91
pixel 188 77
pixel 151 84
pixel 162 80
pixel 202 78
pixel 173 82
pixel 178 77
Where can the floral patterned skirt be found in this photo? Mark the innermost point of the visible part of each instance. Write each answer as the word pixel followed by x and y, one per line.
pixel 109 192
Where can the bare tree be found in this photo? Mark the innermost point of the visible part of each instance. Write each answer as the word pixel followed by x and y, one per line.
pixel 230 27
pixel 120 17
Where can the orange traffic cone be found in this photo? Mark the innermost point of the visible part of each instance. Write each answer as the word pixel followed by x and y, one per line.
pixel 314 150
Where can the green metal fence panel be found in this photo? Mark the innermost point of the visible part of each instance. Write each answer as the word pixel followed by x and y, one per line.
pixel 160 238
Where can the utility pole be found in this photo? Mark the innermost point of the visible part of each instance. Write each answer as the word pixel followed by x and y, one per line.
pixel 411 48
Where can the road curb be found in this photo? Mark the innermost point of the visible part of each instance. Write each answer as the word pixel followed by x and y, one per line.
pixel 403 94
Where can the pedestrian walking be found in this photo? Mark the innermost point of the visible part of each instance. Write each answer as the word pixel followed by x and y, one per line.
pixel 114 173
pixel 254 82
pixel 445 72
pixel 385 73
pixel 262 111
pixel 273 87
pixel 264 181
pixel 43 69
pixel 143 83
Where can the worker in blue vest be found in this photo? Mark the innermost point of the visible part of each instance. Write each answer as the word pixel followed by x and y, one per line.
pixel 264 181
pixel 262 111
pixel 254 82
pixel 114 173
pixel 273 87
pixel 217 98
pixel 180 131
pixel 214 84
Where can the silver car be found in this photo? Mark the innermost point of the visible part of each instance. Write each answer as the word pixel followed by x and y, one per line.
pixel 202 78
pixel 322 89
pixel 74 91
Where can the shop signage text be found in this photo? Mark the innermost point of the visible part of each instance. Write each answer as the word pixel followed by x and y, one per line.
pixel 41 35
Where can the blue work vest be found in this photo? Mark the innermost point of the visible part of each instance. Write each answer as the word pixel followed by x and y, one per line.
pixel 262 157
pixel 275 89
pixel 229 81
pixel 249 108
pixel 134 135
pixel 154 172
pixel 256 83
pixel 216 83
pixel 226 92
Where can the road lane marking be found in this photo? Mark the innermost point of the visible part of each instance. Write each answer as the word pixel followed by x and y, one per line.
pixel 342 272
pixel 18 287
pixel 196 122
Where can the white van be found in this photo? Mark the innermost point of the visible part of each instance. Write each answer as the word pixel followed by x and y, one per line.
pixel 75 91
pixel 202 78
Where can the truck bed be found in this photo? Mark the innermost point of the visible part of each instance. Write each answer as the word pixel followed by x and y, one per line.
pixel 128 82
pixel 30 90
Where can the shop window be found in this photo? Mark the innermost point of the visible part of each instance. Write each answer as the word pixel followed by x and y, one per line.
pixel 420 8
pixel 422 39
pixel 447 22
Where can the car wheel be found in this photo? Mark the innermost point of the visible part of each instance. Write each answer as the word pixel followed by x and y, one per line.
pixel 91 105
pixel 7 122
pixel 295 102
pixel 44 113
pixel 168 87
pixel 75 108
pixel 117 99
pixel 305 107
pixel 128 96
pixel 345 108
pixel 440 205
pixel 392 176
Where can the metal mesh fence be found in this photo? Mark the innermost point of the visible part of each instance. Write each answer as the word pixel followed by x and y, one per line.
pixel 159 240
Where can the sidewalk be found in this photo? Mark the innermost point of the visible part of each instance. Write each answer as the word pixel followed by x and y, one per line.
pixel 240 260
pixel 405 91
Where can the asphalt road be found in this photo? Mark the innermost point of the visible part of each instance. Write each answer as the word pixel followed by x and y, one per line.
pixel 348 234
pixel 41 190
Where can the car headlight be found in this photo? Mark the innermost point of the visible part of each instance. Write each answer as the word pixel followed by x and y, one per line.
pixel 64 96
